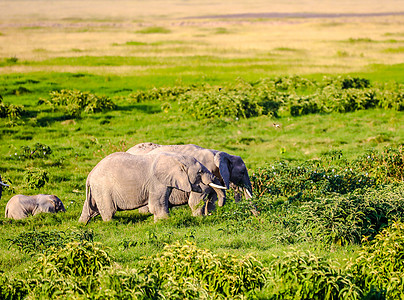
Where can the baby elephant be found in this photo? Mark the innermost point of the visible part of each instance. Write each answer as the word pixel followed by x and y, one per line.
pixel 21 206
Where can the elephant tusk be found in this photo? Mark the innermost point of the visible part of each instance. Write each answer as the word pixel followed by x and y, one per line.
pixel 3 184
pixel 217 186
pixel 248 193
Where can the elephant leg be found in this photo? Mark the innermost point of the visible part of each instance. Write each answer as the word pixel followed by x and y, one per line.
pixel 144 210
pixel 210 203
pixel 88 212
pixel 197 203
pixel 158 204
pixel 107 212
pixel 106 205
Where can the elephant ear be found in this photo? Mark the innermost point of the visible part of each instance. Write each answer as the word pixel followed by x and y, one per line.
pixel 169 170
pixel 49 207
pixel 222 161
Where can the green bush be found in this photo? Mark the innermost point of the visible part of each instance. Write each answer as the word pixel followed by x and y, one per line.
pixel 193 269
pixel 70 272
pixel 280 96
pixel 307 180
pixel 339 219
pixel 379 266
pixel 386 166
pixel 220 104
pixel 159 94
pixel 75 259
pixel 37 151
pixel 10 111
pixel 302 275
pixel 127 284
pixel 11 289
pixel 36 178
pixel 41 241
pixel 73 102
pixel 80 270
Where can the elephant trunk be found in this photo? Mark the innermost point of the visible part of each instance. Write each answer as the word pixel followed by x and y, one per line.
pixel 214 183
pixel 1 186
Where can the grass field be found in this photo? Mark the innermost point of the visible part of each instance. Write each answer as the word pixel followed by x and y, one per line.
pixel 128 49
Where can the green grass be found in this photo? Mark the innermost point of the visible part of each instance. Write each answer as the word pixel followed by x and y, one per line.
pixel 79 144
pixel 154 29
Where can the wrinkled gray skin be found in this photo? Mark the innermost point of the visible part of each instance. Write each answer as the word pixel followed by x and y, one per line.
pixel 122 181
pixel 21 206
pixel 230 169
pixel 1 186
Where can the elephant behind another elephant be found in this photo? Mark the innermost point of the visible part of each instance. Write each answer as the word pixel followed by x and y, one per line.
pixel 230 169
pixel 21 206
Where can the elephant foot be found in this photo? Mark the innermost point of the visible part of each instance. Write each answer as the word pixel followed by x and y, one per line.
pixel 198 212
pixel 160 217
pixel 84 219
pixel 144 210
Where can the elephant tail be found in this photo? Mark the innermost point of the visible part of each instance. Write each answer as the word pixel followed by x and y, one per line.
pixel 86 214
pixel 6 212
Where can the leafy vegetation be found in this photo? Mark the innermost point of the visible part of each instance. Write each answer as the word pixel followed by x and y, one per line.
pixel 378 267
pixel 330 201
pixel 41 241
pixel 303 275
pixel 36 178
pixel 73 102
pixel 281 96
pixel 10 111
pixel 82 269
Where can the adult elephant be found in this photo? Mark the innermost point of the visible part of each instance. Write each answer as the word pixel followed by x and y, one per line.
pixel 21 206
pixel 122 181
pixel 1 186
pixel 230 169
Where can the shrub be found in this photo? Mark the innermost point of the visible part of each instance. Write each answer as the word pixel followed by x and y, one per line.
pixel 193 269
pixel 68 272
pixel 342 219
pixel 83 269
pixel 386 166
pixel 11 289
pixel 75 259
pixel 73 102
pixel 220 104
pixel 37 151
pixel 307 180
pixel 41 241
pixel 159 94
pixel 302 275
pixel 127 284
pixel 286 96
pixel 10 111
pixel 379 266
pixel 36 178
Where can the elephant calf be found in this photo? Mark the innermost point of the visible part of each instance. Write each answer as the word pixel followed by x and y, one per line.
pixel 21 206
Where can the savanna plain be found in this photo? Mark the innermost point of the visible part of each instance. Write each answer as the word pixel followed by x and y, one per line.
pixel 309 93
